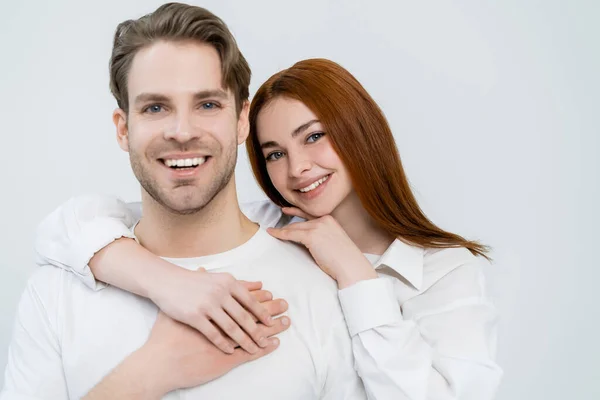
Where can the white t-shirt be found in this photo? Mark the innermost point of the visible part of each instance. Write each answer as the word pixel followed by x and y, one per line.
pixel 69 337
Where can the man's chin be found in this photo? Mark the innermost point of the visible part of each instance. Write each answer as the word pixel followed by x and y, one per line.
pixel 181 206
pixel 185 208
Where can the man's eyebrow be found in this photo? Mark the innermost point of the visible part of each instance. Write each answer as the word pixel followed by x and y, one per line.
pixel 148 97
pixel 295 133
pixel 212 93
pixel 219 94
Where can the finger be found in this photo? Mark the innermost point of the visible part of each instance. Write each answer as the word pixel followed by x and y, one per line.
pixel 240 356
pixel 262 295
pixel 233 344
pixel 291 235
pixel 214 335
pixel 251 304
pixel 295 211
pixel 251 285
pixel 244 319
pixel 276 307
pixel 233 330
pixel 280 325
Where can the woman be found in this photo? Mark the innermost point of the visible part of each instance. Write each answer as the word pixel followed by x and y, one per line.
pixel 321 149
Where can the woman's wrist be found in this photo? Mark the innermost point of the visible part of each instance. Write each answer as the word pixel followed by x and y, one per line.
pixel 159 276
pixel 351 275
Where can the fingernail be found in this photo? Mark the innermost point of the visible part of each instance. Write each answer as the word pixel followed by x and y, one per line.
pixel 253 349
pixel 283 303
pixel 229 349
pixel 263 342
pixel 274 341
pixel 285 321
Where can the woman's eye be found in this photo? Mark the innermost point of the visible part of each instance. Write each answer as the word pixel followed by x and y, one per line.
pixel 276 155
pixel 313 137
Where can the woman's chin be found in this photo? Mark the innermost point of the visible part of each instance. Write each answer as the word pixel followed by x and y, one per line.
pixel 318 210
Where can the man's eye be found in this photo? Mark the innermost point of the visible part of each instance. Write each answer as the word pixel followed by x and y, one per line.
pixel 209 106
pixel 276 155
pixel 153 109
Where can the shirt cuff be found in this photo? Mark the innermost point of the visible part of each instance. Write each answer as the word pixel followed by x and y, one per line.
pixel 369 304
pixel 95 236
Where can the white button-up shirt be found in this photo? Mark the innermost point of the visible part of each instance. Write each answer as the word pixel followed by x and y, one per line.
pixel 424 330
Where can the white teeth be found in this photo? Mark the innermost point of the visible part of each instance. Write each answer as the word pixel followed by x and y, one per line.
pixel 187 162
pixel 314 185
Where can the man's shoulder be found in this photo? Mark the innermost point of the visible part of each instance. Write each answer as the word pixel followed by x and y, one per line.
pixel 293 263
pixel 46 278
pixel 48 283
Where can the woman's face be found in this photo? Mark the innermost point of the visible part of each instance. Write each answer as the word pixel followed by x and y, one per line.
pixel 302 164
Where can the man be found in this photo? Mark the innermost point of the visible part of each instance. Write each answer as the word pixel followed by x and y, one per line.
pixel 182 89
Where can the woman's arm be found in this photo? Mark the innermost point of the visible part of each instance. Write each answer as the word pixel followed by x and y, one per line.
pixel 440 345
pixel 71 234
pixel 80 237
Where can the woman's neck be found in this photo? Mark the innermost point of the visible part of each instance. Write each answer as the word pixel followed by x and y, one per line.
pixel 368 236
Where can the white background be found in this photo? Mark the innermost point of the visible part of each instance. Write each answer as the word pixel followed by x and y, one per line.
pixel 495 109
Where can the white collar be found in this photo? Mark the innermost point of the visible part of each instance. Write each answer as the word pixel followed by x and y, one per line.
pixel 406 260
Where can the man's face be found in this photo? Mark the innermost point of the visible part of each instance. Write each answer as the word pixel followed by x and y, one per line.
pixel 182 130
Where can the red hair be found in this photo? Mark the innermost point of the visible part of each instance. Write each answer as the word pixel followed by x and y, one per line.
pixel 363 140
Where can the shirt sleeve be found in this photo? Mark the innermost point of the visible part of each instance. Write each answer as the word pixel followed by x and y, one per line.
pixel 265 213
pixel 341 379
pixel 34 369
pixel 440 345
pixel 70 236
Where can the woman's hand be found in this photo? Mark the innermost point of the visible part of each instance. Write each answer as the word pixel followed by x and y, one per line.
pixel 218 306
pixel 333 250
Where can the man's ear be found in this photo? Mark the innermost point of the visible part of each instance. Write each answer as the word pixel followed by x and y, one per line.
pixel 120 121
pixel 243 123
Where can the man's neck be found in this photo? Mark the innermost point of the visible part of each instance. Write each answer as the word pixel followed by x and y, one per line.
pixel 368 236
pixel 220 226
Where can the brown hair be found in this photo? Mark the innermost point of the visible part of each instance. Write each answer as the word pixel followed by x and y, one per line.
pixel 177 22
pixel 353 123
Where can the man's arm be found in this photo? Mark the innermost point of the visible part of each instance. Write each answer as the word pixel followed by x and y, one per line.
pixel 34 369
pixel 132 379
pixel 175 357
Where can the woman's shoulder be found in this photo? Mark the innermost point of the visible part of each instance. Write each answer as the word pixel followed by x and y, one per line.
pixel 264 212
pixel 452 266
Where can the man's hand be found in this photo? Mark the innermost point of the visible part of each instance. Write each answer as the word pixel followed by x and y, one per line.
pixel 216 303
pixel 175 357
pixel 185 358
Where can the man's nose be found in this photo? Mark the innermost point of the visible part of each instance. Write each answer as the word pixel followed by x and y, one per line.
pixel 182 129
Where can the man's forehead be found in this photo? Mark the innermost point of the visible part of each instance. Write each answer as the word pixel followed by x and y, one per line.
pixel 167 67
